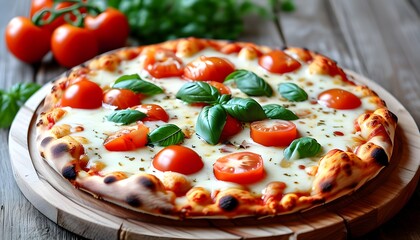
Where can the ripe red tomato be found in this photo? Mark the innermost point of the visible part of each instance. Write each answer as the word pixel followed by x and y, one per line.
pixel 242 168
pixel 127 139
pixel 110 27
pixel 209 69
pixel 82 94
pixel 222 88
pixel 26 41
pixel 273 132
pixel 231 128
pixel 178 159
pixel 161 63
pixel 122 98
pixel 72 45
pixel 154 112
pixel 339 99
pixel 277 61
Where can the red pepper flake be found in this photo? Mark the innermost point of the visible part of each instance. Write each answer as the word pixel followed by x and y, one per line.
pixel 302 167
pixel 338 133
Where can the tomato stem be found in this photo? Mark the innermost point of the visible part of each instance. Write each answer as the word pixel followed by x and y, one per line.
pixel 72 14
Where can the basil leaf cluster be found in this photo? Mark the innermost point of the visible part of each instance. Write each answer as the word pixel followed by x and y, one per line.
pixel 302 148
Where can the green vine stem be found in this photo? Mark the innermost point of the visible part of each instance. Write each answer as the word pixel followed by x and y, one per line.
pixel 72 14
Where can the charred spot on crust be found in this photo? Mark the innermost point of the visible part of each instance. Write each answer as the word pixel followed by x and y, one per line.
pixel 380 156
pixel 45 141
pixel 133 201
pixel 147 183
pixel 59 149
pixel 327 186
pixel 110 179
pixel 228 203
pixel 393 116
pixel 69 172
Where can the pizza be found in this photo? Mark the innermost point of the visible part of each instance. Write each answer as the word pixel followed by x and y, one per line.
pixel 199 128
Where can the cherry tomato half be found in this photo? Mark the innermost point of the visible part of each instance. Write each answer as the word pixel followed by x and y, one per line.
pixel 339 99
pixel 231 128
pixel 26 41
pixel 82 94
pixel 209 69
pixel 161 63
pixel 110 27
pixel 122 98
pixel 178 159
pixel 273 132
pixel 242 168
pixel 277 61
pixel 72 46
pixel 222 88
pixel 127 139
pixel 154 112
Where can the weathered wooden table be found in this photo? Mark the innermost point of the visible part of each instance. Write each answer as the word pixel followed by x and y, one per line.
pixel 376 38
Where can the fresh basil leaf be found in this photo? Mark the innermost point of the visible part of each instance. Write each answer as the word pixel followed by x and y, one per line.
pixel 302 148
pixel 136 84
pixel 198 92
pixel 23 91
pixel 166 135
pixel 244 109
pixel 210 123
pixel 250 83
pixel 224 98
pixel 275 111
pixel 292 92
pixel 8 109
pixel 126 116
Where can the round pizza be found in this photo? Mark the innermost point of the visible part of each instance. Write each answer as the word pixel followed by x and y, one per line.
pixel 198 128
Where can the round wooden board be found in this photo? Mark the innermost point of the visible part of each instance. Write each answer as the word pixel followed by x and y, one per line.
pixel 353 215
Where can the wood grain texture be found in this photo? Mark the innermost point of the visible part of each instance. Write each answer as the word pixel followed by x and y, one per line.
pixel 78 212
pixel 338 28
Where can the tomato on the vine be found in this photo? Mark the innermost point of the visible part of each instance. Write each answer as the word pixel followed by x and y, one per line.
pixel 339 99
pixel 178 159
pixel 277 61
pixel 122 98
pixel 38 5
pixel 110 27
pixel 127 139
pixel 83 94
pixel 162 63
pixel 209 69
pixel 273 132
pixel 73 45
pixel 26 41
pixel 154 112
pixel 241 167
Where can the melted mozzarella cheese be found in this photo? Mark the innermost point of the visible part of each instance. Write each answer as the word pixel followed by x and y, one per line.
pixel 315 121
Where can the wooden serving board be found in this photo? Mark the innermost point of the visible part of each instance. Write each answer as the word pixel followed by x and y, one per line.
pixel 354 215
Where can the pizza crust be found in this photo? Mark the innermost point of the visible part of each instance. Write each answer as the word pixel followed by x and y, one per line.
pixel 338 173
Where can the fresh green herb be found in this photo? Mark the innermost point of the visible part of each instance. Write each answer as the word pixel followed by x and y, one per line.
pixel 292 92
pixel 244 109
pixel 12 100
pixel 137 85
pixel 275 111
pixel 126 116
pixel 302 148
pixel 166 135
pixel 156 21
pixel 198 92
pixel 224 98
pixel 210 123
pixel 250 83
